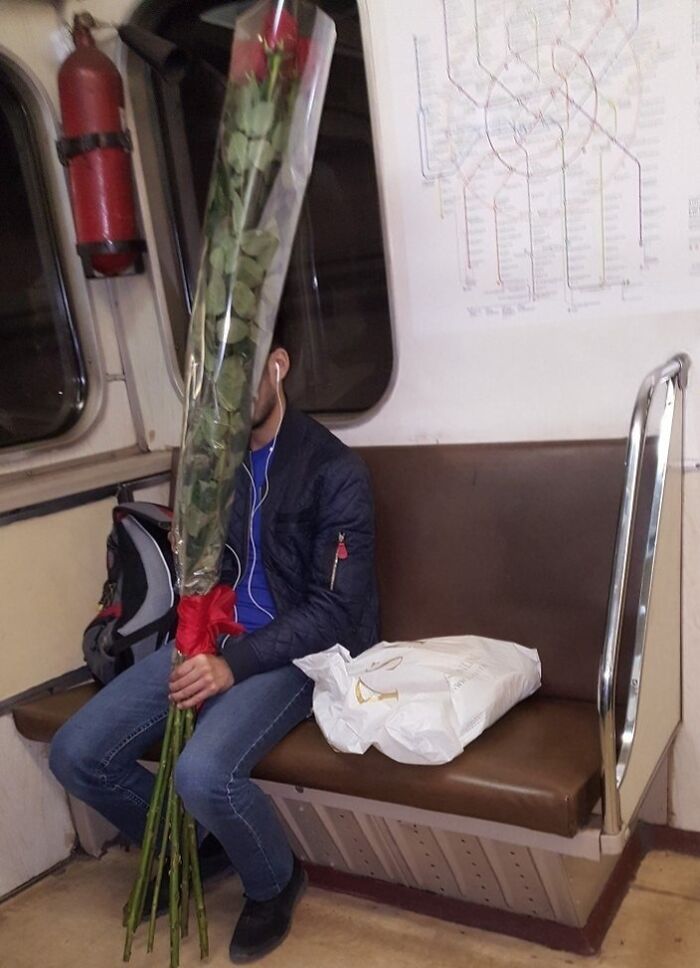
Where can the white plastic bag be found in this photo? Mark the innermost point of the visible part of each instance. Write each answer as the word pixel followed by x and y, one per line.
pixel 418 702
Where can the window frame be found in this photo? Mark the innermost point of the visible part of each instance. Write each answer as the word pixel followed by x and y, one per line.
pixel 44 128
pixel 154 158
pixel 147 120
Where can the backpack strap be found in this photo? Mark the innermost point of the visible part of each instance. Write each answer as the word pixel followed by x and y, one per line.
pixel 146 512
pixel 162 625
pixel 148 585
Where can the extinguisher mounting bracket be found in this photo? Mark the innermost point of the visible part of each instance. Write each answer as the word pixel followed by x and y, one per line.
pixel 69 148
pixel 89 250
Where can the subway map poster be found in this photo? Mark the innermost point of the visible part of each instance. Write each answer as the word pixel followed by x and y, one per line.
pixel 544 155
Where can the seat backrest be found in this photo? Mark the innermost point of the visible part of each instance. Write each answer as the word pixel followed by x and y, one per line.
pixel 510 541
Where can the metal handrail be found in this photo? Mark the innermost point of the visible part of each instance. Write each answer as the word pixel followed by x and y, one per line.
pixel 676 370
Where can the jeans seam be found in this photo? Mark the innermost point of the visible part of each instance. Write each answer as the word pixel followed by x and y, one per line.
pixel 107 759
pixel 130 737
pixel 267 729
pixel 232 777
pixel 127 793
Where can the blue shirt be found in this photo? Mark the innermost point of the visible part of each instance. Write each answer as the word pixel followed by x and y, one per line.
pixel 254 604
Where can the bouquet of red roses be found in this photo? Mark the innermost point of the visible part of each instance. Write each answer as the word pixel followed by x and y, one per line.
pixel 279 69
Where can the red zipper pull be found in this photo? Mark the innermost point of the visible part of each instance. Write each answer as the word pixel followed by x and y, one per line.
pixel 341 553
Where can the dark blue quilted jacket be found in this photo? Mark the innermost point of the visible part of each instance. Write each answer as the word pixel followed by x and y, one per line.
pixel 320 494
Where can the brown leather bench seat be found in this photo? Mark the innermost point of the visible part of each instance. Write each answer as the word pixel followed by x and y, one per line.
pixel 538 767
pixel 510 541
pixel 40 719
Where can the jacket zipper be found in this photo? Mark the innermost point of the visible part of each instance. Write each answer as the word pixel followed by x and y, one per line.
pixel 341 553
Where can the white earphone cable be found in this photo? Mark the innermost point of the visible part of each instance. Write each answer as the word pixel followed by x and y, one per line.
pixel 257 505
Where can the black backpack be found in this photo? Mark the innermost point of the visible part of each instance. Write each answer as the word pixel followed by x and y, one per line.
pixel 138 608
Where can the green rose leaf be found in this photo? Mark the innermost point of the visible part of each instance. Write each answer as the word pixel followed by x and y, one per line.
pixel 260 245
pixel 201 431
pixel 231 383
pixel 237 154
pixel 237 209
pixel 260 154
pixel 231 249
pixel 278 138
pixel 217 258
pixel 261 118
pixel 195 520
pixel 236 424
pixel 250 272
pixel 204 495
pixel 232 330
pixel 221 232
pixel 216 294
pixel 212 354
pixel 248 98
pixel 244 301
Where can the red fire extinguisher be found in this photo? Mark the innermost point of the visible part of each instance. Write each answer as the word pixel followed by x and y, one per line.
pixel 96 149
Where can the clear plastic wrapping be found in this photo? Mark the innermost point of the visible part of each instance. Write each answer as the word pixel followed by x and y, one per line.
pixel 280 61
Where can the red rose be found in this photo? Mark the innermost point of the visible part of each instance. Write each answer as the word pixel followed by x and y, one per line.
pixel 248 58
pixel 280 30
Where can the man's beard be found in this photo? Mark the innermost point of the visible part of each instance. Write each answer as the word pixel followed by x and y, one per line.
pixel 259 421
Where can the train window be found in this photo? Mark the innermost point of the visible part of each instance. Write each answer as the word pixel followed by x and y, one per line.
pixel 42 381
pixel 334 308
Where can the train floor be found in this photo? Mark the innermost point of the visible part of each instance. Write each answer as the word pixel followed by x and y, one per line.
pixel 73 917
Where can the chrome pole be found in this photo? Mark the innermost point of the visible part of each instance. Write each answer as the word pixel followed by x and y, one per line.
pixel 677 370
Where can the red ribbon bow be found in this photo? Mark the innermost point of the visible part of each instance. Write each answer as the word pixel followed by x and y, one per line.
pixel 202 618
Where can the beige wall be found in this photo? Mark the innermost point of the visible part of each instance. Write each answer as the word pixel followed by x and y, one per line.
pixel 51 574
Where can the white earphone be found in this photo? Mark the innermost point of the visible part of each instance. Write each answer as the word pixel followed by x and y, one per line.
pixel 256 505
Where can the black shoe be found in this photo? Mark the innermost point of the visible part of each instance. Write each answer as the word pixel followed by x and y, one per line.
pixel 213 861
pixel 263 925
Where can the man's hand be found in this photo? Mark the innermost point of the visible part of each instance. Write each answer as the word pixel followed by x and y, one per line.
pixel 199 678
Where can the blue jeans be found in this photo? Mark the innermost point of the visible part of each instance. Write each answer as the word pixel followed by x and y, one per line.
pixel 94 755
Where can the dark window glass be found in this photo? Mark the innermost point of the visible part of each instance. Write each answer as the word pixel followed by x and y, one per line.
pixel 334 309
pixel 42 384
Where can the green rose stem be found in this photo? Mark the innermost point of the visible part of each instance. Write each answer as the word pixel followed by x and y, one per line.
pixel 175 858
pixel 198 893
pixel 159 873
pixel 191 836
pixel 274 62
pixel 155 809
pixel 186 871
pixel 178 842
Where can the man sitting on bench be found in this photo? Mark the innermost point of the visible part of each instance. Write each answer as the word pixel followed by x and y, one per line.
pixel 300 552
